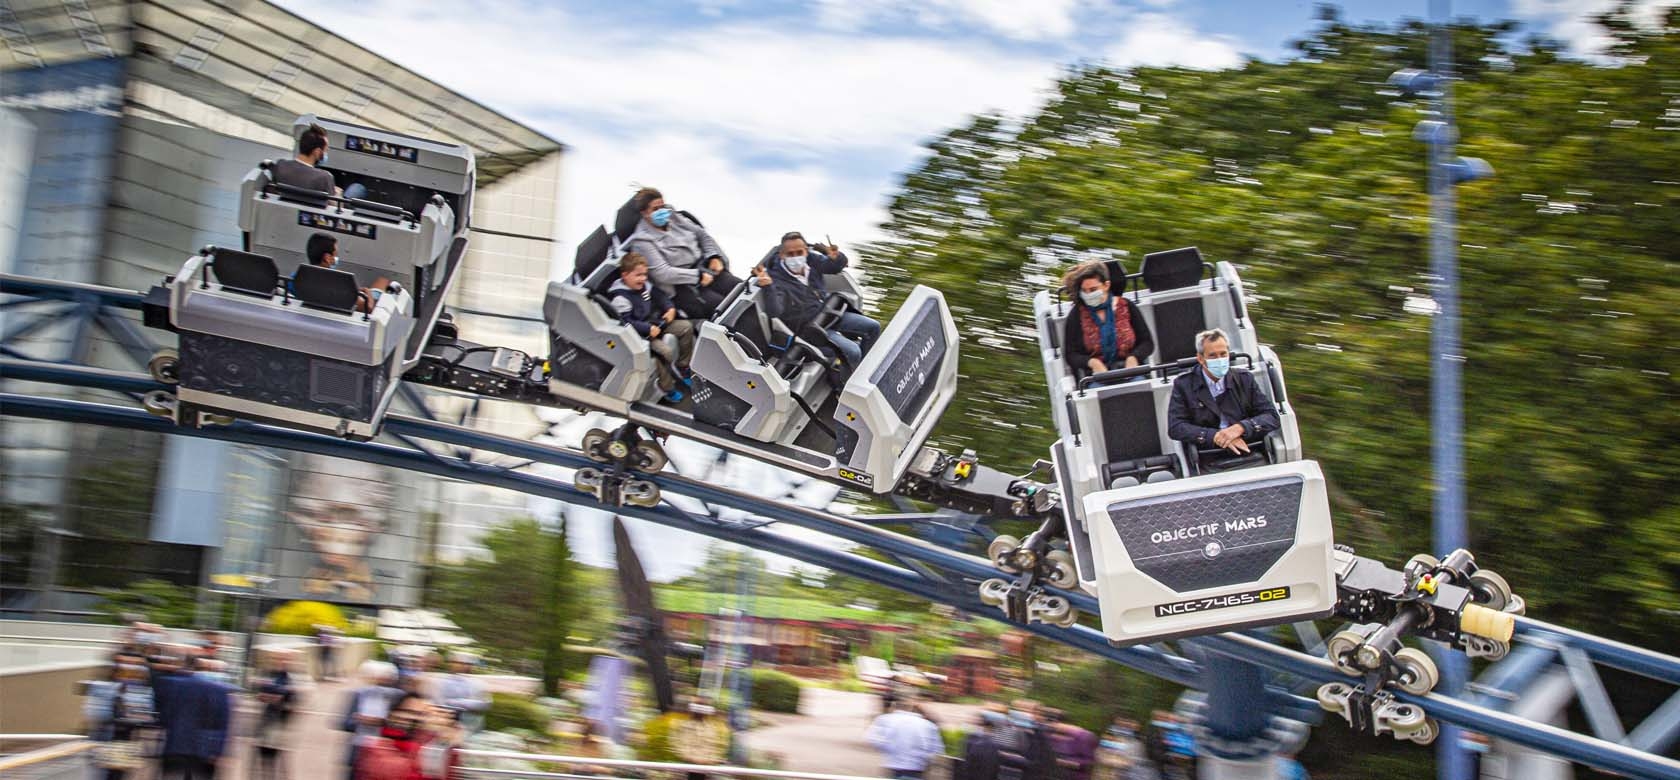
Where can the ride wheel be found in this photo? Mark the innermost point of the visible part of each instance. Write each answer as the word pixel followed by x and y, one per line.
pixel 992 592
pixel 1418 673
pixel 1491 589
pixel 165 366
pixel 640 492
pixel 1340 650
pixel 1406 718
pixel 1002 552
pixel 159 402
pixel 1062 573
pixel 1426 733
pixel 650 458
pixel 1424 561
pixel 595 445
pixel 1059 612
pixel 1517 606
pixel 1332 697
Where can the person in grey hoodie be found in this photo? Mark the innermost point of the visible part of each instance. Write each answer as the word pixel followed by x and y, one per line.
pixel 684 261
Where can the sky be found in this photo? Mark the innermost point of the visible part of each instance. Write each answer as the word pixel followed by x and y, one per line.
pixel 764 116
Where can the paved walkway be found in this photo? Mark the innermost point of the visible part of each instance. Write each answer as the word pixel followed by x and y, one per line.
pixel 827 735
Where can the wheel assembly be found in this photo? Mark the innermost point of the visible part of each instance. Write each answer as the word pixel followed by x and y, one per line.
pixel 165 366
pixel 1418 672
pixel 1341 649
pixel 1062 573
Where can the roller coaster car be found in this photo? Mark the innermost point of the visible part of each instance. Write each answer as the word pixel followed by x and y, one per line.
pixel 410 227
pixel 756 387
pixel 259 346
pixel 1171 543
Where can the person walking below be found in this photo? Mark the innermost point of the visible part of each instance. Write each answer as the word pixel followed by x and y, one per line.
pixel 369 705
pixel 278 696
pixel 907 741
pixel 1075 748
pixel 193 711
pixel 416 741
pixel 117 712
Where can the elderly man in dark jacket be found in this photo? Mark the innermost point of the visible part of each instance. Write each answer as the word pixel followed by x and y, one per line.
pixel 797 292
pixel 193 712
pixel 1214 408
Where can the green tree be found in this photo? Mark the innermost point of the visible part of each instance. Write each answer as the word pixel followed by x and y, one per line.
pixel 521 600
pixel 1303 173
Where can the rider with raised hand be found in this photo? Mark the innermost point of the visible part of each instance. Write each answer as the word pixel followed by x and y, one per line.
pixel 796 292
pixel 684 261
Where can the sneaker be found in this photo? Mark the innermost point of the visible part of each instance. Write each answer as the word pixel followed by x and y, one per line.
pixel 673 396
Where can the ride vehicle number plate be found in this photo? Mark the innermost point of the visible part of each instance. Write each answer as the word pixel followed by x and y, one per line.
pixel 1221 602
pixel 356 143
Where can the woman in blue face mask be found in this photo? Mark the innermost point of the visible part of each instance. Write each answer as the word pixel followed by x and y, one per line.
pixel 1104 331
pixel 684 261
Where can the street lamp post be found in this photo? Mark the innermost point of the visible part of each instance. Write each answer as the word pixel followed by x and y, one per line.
pixel 1446 170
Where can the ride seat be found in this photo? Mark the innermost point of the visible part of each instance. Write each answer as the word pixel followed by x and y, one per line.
pixel 326 289
pixel 1131 429
pixel 244 272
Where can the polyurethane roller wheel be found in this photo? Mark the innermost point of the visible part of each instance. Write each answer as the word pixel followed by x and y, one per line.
pixel 1517 606
pixel 165 366
pixel 595 444
pixel 1332 697
pixel 1419 673
pixel 991 592
pixel 1407 718
pixel 650 457
pixel 1057 611
pixel 159 402
pixel 1340 649
pixel 1426 733
pixel 1000 551
pixel 1491 589
pixel 1062 572
pixel 1425 561
pixel 640 492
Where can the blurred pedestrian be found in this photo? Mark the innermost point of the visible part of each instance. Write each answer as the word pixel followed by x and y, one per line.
pixel 1023 744
pixel 980 755
pixel 117 710
pixel 1120 754
pixel 416 741
pixel 368 707
pixel 1171 746
pixel 277 693
pixel 1075 748
pixel 463 695
pixel 907 741
pixel 702 739
pixel 326 668
pixel 193 711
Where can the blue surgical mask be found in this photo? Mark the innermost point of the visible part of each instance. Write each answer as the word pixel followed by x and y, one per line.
pixel 660 217
pixel 1218 367
pixel 796 264
pixel 323 160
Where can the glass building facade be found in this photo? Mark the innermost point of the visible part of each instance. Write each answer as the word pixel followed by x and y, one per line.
pixel 125 129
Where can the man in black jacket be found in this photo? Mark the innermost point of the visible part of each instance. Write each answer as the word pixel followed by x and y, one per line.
pixel 1212 407
pixel 797 292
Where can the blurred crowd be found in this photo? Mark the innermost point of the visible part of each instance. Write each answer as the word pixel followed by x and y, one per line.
pixel 170 710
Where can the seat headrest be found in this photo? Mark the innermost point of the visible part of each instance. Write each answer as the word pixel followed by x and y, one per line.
pixel 1158 476
pixel 625 223
pixel 591 252
pixel 245 272
pixel 325 288
pixel 1172 269
pixel 1123 482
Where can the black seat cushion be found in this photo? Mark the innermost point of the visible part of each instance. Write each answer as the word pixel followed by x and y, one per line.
pixel 1172 269
pixel 591 252
pixel 1176 326
pixel 245 272
pixel 325 288
pixel 1129 426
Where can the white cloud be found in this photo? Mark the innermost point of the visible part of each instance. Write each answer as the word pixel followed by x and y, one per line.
pixel 1571 21
pixel 1158 39
pixel 1028 20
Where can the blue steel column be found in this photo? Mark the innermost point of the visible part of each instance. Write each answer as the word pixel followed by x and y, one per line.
pixel 1446 414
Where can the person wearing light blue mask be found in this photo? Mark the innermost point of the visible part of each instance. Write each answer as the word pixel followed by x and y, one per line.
pixel 1104 331
pixel 684 262
pixel 322 250
pixel 1216 408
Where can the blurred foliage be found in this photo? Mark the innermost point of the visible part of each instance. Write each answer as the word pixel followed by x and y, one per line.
pixel 513 711
pixel 1125 692
pixel 1304 174
pixel 521 601
pixel 656 737
pixel 163 603
pixel 775 691
pixel 301 617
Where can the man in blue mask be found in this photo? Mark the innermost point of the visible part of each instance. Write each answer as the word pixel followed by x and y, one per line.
pixel 322 250
pixel 1216 408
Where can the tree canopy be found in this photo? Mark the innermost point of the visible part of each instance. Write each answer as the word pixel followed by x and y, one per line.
pixel 1305 175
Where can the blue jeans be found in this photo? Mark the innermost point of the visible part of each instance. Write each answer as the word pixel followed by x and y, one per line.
pixel 358 191
pixel 852 325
